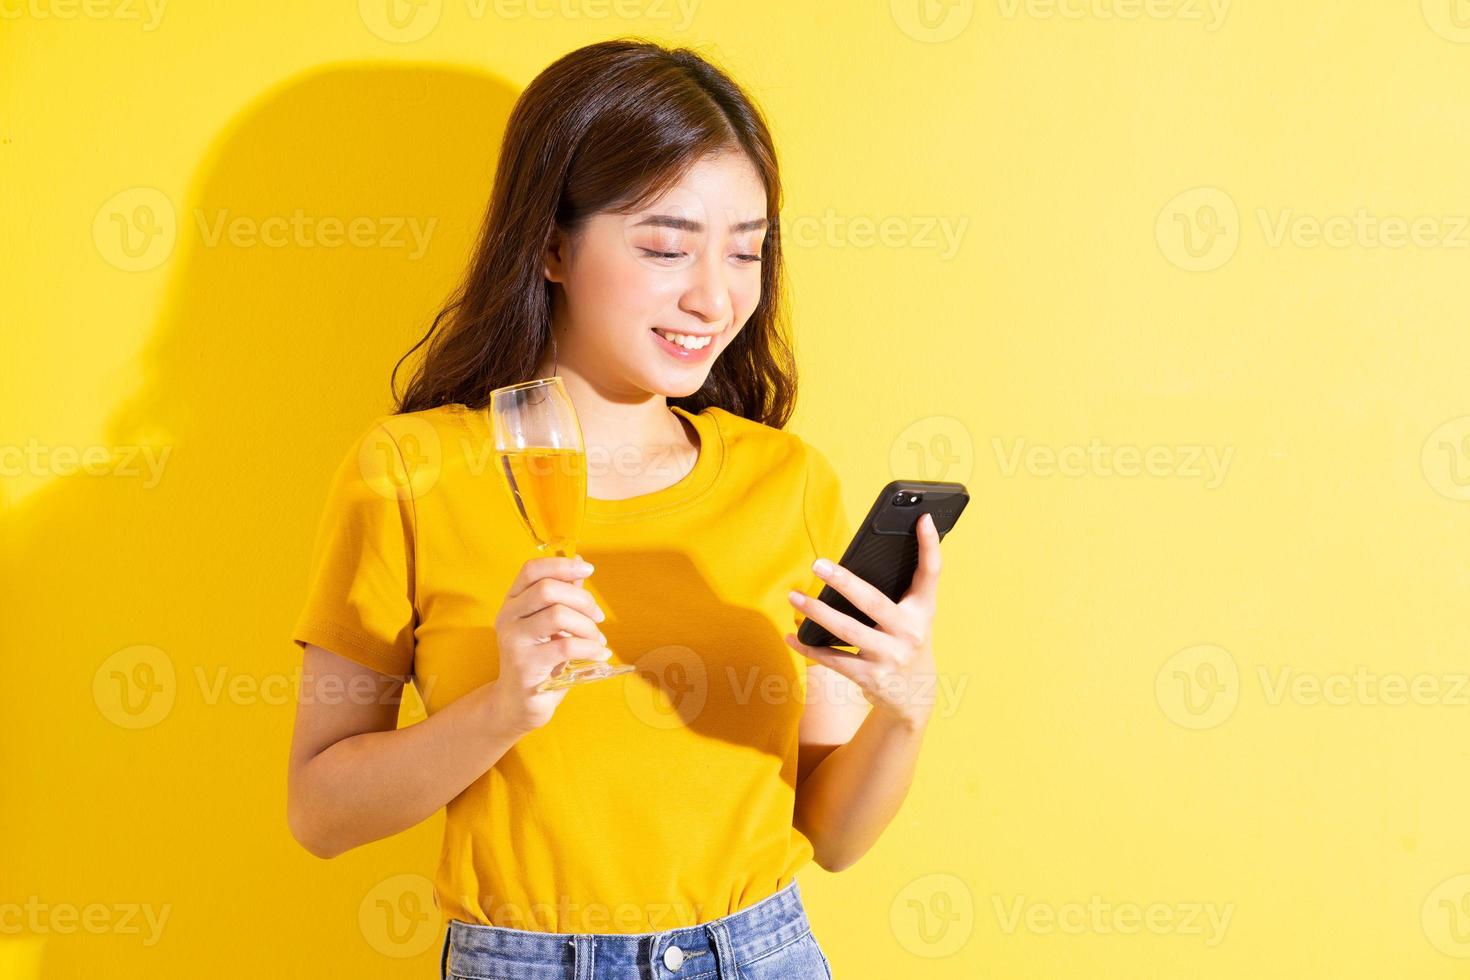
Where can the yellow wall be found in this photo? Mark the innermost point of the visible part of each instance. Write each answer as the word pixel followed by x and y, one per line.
pixel 1208 720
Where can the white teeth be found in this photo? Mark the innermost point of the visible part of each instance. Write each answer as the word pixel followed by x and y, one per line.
pixel 684 340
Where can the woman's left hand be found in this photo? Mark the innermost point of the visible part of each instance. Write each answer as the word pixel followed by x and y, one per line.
pixel 894 666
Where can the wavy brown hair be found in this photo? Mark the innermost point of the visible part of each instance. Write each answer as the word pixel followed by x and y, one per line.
pixel 607 127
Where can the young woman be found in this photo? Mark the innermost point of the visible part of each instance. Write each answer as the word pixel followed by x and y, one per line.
pixel 649 824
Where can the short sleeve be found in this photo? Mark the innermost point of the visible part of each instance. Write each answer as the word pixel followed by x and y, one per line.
pixel 828 527
pixel 360 589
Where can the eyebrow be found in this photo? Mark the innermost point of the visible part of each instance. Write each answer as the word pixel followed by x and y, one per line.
pixel 684 224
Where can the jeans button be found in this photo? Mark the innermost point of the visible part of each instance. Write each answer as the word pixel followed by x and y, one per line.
pixel 673 957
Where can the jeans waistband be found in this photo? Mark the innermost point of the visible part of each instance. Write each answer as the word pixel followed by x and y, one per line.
pixel 713 948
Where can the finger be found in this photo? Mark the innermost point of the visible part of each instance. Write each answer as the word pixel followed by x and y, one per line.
pixel 839 624
pixel 925 584
pixel 554 566
pixel 568 648
pixel 849 665
pixel 862 594
pixel 550 591
pixel 562 620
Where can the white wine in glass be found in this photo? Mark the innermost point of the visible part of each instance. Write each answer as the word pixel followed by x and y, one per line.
pixel 542 462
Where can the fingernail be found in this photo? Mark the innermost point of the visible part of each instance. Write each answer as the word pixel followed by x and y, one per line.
pixel 600 615
pixel 584 568
pixel 822 566
pixel 602 638
pixel 796 597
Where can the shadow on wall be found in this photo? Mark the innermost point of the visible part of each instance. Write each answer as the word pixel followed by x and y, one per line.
pixel 149 615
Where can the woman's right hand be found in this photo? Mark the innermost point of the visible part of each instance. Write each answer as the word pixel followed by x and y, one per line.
pixel 547 618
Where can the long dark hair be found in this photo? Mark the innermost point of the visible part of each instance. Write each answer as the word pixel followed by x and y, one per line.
pixel 607 127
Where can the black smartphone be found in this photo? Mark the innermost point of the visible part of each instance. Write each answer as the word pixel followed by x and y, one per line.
pixel 884 550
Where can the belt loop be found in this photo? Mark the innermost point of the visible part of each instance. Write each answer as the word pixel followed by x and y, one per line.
pixel 651 961
pixel 582 962
pixel 719 935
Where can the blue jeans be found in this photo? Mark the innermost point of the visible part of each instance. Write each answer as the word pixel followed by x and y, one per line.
pixel 770 940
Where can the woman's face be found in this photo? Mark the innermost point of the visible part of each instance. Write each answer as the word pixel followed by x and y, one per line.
pixel 688 264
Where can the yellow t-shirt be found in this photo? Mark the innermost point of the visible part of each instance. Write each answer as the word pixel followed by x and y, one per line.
pixel 656 800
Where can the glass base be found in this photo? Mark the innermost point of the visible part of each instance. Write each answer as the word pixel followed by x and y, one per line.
pixel 583 672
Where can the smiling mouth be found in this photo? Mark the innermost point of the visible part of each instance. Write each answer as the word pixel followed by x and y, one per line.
pixel 690 342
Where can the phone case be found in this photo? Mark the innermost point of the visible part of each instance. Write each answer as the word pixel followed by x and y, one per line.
pixel 884 550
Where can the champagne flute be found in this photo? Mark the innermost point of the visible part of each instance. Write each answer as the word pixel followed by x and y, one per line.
pixel 543 465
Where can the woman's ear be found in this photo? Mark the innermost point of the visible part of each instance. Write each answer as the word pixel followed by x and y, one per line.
pixel 555 264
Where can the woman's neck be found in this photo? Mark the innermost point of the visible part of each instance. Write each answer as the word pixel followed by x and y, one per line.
pixel 634 446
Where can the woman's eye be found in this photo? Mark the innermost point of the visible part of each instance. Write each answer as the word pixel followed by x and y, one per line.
pixel 748 258
pixel 653 253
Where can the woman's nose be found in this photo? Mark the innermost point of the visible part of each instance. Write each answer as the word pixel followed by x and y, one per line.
pixel 708 292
